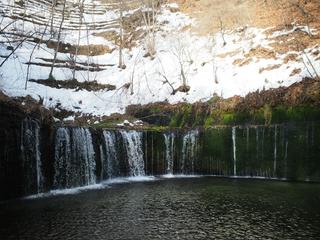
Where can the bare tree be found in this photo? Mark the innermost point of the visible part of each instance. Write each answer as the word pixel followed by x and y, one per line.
pixel 222 31
pixel 74 57
pixel 6 26
pixel 149 14
pixel 307 16
pixel 310 64
pixel 164 76
pixel 32 52
pixel 58 39
pixel 133 72
pixel 184 60
pixel 13 51
pixel 89 51
pixel 121 7
pixel 53 7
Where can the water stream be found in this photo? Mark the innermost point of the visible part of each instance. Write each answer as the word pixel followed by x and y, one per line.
pixel 189 151
pixel 133 145
pixel 234 148
pixel 74 164
pixel 170 148
pixel 110 166
pixel 31 155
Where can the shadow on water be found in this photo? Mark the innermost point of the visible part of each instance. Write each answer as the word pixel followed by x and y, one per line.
pixel 179 208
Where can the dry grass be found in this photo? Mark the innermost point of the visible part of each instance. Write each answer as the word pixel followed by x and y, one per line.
pixel 295 41
pixel 258 13
pixel 292 57
pixel 277 15
pixel 269 68
pixel 229 54
pixel 261 52
pixel 295 72
pixel 89 50
pixel 242 62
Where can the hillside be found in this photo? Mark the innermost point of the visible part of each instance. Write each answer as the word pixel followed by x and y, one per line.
pixel 66 55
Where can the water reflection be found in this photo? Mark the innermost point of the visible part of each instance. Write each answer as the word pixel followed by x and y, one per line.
pixel 193 208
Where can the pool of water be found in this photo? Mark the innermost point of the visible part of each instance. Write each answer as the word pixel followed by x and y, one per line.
pixel 191 208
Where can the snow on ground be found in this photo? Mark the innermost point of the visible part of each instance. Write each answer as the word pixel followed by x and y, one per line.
pixel 208 62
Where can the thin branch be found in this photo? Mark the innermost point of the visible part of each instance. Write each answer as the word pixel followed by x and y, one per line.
pixel 30 58
pixel 22 41
pixel 59 38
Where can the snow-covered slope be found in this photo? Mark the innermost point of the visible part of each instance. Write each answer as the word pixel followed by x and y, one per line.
pixel 231 62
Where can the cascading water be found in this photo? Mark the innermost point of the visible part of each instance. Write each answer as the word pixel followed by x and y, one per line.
pixel 259 151
pixel 74 158
pixel 247 138
pixel 257 145
pixel 133 145
pixel 275 152
pixel 286 159
pixel 234 148
pixel 31 156
pixel 189 151
pixel 62 164
pixel 169 142
pixel 110 164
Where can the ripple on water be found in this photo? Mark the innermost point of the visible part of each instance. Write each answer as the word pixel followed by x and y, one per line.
pixel 191 208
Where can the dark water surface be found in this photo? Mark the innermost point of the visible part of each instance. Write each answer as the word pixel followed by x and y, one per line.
pixel 193 208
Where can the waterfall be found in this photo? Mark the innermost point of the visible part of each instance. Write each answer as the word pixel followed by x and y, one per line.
pixel 285 159
pixel 110 165
pixel 275 152
pixel 68 160
pixel 74 158
pixel 257 143
pixel 82 144
pixel 234 147
pixel 133 144
pixel 189 151
pixel 31 156
pixel 169 142
pixel 247 142
pixel 62 156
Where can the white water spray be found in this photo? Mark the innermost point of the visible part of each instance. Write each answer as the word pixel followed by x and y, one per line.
pixel 110 161
pixel 189 151
pixel 31 155
pixel 234 151
pixel 133 144
pixel 169 142
pixel 275 151
pixel 74 158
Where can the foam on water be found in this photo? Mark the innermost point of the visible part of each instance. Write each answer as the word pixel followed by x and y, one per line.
pixel 67 191
pixel 124 180
pixel 130 179
pixel 181 176
pixel 168 175
pixel 105 184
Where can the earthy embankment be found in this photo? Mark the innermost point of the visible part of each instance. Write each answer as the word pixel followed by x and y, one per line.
pixel 298 102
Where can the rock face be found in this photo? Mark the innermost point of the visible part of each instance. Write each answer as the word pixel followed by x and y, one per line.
pixel 300 101
pixel 10 163
pixel 24 143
